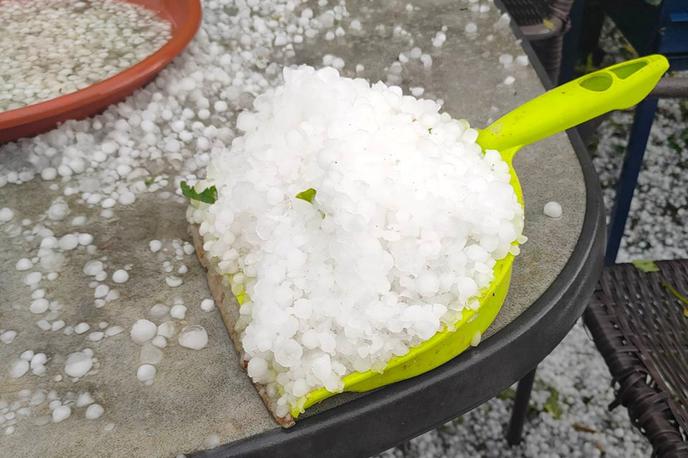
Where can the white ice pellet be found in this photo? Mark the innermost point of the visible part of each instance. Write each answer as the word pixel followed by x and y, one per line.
pixel 93 268
pixel 48 173
pixel 188 249
pixel 220 106
pixel 85 239
pixel 509 80
pixel 155 245
pixel 475 339
pixel 39 306
pixel 146 373
pixel 6 214
pixel 553 209
pixel 506 59
pixel 33 278
pixel 7 337
pixel 159 311
pixel 24 264
pixel 439 39
pixel 173 281
pixel 81 328
pixel 522 60
pixel 120 276
pixel 194 337
pixel 167 329
pixel 471 27
pixel 19 368
pixel 178 312
pixel 58 210
pixel 61 413
pixel 127 198
pixel 68 242
pixel 113 331
pixel 79 363
pixel 84 399
pixel 207 305
pixel 159 341
pixel 101 291
pixel 143 331
pixel 27 355
pixel 94 411
pixel 96 336
pixel 38 359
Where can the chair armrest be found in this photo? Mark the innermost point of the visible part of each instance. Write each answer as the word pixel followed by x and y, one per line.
pixel 669 88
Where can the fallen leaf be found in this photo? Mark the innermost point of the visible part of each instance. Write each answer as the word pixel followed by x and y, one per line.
pixel 552 404
pixel 583 428
pixel 645 265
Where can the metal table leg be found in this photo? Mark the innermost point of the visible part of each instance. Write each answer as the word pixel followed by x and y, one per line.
pixel 520 409
pixel 640 132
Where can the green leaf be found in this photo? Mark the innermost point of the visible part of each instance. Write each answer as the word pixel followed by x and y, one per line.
pixel 308 195
pixel 208 195
pixel 674 292
pixel 509 393
pixel 149 181
pixel 645 265
pixel 552 404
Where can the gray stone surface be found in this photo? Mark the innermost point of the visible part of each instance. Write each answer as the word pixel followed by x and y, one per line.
pixel 199 394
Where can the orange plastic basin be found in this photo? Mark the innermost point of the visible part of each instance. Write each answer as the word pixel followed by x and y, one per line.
pixel 185 17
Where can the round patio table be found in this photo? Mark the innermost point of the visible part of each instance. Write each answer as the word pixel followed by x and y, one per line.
pixel 553 278
pixel 203 398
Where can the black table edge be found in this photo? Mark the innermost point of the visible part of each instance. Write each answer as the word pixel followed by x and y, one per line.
pixel 385 417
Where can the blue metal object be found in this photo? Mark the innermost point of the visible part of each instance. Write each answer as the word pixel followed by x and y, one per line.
pixel 572 40
pixel 673 32
pixel 661 28
pixel 633 161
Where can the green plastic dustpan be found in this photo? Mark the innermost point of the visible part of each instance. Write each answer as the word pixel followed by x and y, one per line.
pixel 617 87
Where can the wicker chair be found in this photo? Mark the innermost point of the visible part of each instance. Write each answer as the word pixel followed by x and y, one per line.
pixel 543 23
pixel 639 322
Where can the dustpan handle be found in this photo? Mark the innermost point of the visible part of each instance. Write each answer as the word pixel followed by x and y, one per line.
pixel 613 88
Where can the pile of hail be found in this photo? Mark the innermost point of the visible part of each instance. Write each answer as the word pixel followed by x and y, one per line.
pixel 51 50
pixel 359 221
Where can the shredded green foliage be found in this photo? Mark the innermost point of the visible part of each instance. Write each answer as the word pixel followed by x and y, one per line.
pixel 645 265
pixel 509 393
pixel 552 404
pixel 308 195
pixel 149 181
pixel 208 195
pixel 674 292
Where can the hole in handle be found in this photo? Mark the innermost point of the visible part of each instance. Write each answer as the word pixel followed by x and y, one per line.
pixel 625 71
pixel 598 82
